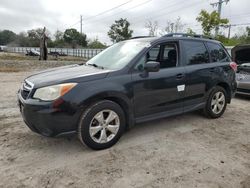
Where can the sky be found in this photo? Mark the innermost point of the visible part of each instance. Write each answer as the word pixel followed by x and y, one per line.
pixel 98 15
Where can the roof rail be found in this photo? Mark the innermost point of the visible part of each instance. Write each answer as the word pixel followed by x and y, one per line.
pixel 137 37
pixel 187 35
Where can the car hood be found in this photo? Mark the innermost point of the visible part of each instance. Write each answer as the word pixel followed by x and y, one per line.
pixel 72 73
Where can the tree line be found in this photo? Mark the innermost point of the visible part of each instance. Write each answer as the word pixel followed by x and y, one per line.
pixel 208 21
pixel 120 30
pixel 70 38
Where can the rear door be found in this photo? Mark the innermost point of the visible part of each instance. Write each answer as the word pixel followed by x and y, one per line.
pixel 199 73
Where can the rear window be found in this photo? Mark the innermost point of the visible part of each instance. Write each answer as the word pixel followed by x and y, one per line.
pixel 196 52
pixel 217 53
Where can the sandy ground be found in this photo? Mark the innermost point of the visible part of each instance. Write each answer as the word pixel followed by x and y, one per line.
pixel 182 151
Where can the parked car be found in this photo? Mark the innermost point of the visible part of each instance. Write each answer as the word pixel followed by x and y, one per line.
pixel 130 82
pixel 32 52
pixel 56 54
pixel 241 55
pixel 2 48
pixel 243 79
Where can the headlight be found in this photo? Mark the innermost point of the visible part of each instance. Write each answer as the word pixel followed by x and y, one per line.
pixel 50 93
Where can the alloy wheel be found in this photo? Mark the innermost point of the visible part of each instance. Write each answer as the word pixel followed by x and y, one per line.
pixel 104 126
pixel 218 102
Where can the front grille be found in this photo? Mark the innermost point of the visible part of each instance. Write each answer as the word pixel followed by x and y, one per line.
pixel 26 89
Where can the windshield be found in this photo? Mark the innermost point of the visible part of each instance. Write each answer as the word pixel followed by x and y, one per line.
pixel 118 55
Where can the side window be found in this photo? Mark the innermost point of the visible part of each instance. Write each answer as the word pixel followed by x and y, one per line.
pixel 217 53
pixel 169 57
pixel 154 53
pixel 165 54
pixel 196 52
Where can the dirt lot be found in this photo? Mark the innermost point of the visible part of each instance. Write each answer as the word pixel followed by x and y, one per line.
pixel 183 151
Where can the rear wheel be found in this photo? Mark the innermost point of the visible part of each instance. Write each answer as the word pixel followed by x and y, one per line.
pixel 216 103
pixel 101 125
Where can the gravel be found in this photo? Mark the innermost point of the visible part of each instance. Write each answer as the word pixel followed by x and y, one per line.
pixel 181 151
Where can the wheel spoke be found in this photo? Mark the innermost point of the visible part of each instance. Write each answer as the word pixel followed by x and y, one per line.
pixel 217 109
pixel 214 108
pixel 99 117
pixel 220 106
pixel 217 95
pixel 113 128
pixel 222 98
pixel 94 130
pixel 213 102
pixel 111 117
pixel 103 136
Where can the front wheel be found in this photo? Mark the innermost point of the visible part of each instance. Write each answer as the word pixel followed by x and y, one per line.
pixel 101 125
pixel 216 104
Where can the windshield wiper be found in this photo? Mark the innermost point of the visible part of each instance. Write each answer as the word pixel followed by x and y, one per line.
pixel 95 65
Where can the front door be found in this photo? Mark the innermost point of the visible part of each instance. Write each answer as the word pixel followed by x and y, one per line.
pixel 159 92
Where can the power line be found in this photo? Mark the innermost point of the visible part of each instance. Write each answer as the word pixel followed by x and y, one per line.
pixel 109 10
pixel 101 13
pixel 74 24
pixel 130 8
pixel 153 12
pixel 166 13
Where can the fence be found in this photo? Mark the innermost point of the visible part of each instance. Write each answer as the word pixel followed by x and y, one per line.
pixel 79 52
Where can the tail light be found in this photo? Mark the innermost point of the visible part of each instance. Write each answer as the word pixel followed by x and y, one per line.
pixel 233 65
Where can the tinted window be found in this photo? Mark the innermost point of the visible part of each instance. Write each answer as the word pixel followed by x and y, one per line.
pixel 196 52
pixel 168 49
pixel 169 58
pixel 217 53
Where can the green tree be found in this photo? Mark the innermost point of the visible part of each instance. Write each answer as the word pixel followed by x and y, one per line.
pixel 7 36
pixel 59 40
pixel 23 40
pixel 96 44
pixel 210 20
pixel 190 31
pixel 34 36
pixel 120 31
pixel 58 35
pixel 74 38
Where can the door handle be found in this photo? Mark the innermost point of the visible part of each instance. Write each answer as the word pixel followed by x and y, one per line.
pixel 179 76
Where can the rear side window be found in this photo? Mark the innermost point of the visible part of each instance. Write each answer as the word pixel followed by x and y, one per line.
pixel 217 53
pixel 196 52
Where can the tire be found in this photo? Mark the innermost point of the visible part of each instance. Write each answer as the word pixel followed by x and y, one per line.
pixel 97 119
pixel 215 98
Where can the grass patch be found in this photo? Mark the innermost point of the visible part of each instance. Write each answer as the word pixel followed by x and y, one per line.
pixel 9 69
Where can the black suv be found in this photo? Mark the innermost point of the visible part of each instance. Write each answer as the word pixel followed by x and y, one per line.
pixel 133 81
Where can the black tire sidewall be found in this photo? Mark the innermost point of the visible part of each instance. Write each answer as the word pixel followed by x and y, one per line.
pixel 208 109
pixel 84 124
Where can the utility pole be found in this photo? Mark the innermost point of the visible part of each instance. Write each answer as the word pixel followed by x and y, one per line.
pixel 229 31
pixel 81 24
pixel 219 4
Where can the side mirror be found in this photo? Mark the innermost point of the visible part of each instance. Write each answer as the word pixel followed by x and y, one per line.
pixel 152 66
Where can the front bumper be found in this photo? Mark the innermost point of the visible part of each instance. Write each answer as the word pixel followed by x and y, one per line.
pixel 48 118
